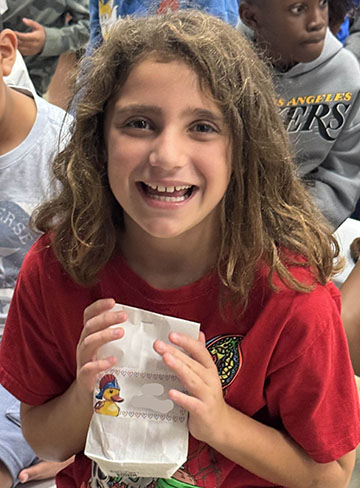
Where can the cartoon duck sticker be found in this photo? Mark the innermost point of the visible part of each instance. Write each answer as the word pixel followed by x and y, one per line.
pixel 108 396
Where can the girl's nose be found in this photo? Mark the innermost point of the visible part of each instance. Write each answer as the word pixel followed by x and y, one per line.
pixel 317 18
pixel 168 151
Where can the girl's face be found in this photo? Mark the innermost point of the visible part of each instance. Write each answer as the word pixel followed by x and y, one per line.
pixel 168 151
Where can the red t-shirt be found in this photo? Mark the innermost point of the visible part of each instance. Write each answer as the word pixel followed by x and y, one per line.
pixel 289 355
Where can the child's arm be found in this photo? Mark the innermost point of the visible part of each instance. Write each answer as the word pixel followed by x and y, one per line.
pixel 350 314
pixel 57 429
pixel 262 450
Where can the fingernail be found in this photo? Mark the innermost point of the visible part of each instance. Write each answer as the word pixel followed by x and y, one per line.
pixel 117 332
pixel 160 345
pixel 121 315
pixel 111 361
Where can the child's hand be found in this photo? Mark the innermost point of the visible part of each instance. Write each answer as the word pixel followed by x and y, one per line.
pixel 43 470
pixel 97 331
pixel 31 43
pixel 198 373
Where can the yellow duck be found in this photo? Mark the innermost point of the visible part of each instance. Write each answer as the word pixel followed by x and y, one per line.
pixel 108 396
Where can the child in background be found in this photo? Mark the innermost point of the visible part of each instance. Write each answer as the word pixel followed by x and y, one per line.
pixel 318 83
pixel 350 9
pixel 179 196
pixel 29 137
pixel 45 30
pixel 353 40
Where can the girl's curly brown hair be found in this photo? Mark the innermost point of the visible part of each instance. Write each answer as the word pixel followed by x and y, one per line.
pixel 265 209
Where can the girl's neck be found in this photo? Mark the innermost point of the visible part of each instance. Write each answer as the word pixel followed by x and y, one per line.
pixel 169 263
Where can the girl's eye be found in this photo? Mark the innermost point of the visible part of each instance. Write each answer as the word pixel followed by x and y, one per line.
pixel 204 128
pixel 297 9
pixel 141 124
pixel 323 3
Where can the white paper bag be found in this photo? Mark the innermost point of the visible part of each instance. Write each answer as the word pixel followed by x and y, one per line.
pixel 136 430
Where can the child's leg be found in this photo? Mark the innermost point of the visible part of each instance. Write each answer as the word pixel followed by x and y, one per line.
pixel 15 453
pixel 6 480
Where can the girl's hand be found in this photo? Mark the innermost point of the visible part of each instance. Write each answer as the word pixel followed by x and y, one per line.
pixel 199 376
pixel 97 331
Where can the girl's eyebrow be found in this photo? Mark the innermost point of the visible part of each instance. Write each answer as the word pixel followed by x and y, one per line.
pixel 137 108
pixel 203 113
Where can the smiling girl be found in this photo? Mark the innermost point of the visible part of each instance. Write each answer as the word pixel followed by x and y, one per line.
pixel 180 197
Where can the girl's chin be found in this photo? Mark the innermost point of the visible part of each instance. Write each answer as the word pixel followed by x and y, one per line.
pixel 158 232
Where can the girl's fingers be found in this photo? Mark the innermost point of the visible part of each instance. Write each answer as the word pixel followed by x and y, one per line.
pixel 88 348
pixel 202 338
pixel 194 348
pixel 189 403
pixel 98 307
pixel 196 379
pixel 88 373
pixel 93 368
pixel 97 330
pixel 101 321
pixel 192 380
pixel 167 351
pixel 196 369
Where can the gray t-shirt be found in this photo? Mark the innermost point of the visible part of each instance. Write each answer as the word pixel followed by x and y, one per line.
pixel 24 183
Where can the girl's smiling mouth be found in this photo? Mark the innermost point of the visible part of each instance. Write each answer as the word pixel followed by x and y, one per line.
pixel 169 193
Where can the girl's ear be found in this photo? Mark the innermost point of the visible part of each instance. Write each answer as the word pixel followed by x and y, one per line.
pixel 248 15
pixel 8 45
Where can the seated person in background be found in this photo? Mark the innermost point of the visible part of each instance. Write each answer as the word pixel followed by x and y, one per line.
pixel 353 40
pixel 18 75
pixel 103 13
pixel 29 138
pixel 44 33
pixel 339 17
pixel 318 83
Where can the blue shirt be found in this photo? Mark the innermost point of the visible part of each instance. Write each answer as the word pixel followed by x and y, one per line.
pixel 344 30
pixel 104 12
